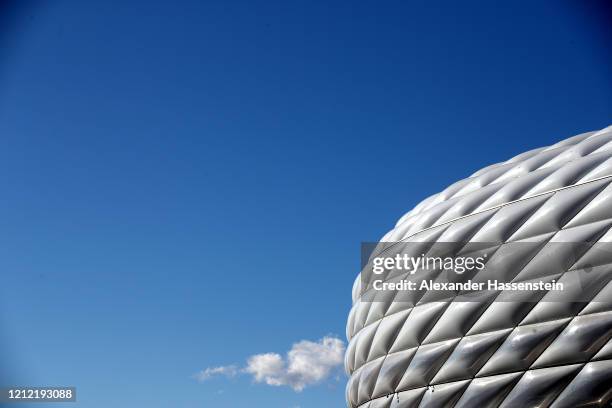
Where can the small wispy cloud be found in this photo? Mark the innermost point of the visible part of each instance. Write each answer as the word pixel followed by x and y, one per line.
pixel 307 363
pixel 208 373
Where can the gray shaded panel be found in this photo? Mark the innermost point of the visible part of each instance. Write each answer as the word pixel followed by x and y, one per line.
pixel 445 395
pixel 425 363
pixel 581 339
pixel 488 392
pixel 469 356
pixel 538 388
pixel 591 387
pixel 522 347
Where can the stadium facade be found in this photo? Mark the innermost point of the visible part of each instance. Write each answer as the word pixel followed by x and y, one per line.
pixel 547 353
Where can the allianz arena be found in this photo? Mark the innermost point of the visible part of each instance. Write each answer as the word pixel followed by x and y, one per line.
pixel 497 354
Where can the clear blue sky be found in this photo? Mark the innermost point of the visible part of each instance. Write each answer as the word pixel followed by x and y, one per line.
pixel 167 168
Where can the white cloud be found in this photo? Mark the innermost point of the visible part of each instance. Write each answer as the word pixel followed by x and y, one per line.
pixel 307 363
pixel 269 368
pixel 226 371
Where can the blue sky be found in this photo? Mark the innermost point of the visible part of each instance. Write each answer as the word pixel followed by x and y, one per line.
pixel 186 184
